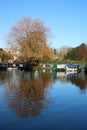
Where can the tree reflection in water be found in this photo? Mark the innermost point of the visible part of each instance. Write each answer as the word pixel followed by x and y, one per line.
pixel 80 81
pixel 25 92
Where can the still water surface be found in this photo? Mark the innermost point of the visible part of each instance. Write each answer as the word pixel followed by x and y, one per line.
pixel 43 101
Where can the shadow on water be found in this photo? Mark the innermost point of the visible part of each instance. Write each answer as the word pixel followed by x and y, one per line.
pixel 25 92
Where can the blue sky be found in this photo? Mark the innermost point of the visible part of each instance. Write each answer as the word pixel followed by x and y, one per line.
pixel 67 19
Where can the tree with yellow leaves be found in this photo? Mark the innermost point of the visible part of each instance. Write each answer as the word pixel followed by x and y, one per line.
pixel 29 38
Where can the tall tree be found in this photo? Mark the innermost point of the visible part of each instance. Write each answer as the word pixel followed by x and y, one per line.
pixel 28 38
pixel 82 52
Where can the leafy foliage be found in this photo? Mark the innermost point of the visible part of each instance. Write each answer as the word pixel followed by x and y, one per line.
pixel 4 56
pixel 29 38
pixel 78 53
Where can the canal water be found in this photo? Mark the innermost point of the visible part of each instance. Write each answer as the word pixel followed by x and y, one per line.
pixel 43 100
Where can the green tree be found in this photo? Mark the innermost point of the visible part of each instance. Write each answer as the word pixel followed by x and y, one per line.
pixel 78 53
pixel 71 54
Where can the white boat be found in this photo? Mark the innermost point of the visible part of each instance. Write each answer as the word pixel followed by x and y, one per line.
pixel 61 67
pixel 71 67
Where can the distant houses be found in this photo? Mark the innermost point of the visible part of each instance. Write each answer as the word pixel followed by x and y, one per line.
pixel 61 53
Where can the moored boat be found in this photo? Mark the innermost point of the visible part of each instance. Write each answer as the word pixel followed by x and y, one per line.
pixel 59 67
pixel 71 67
